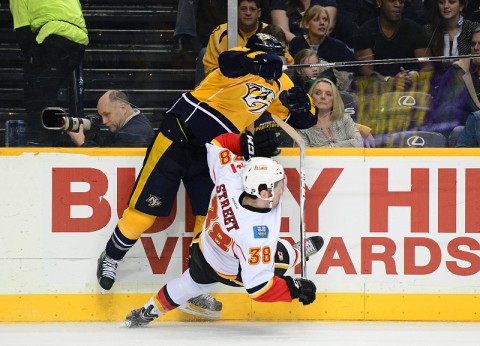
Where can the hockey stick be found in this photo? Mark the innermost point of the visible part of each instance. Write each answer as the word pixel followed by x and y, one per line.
pixel 382 62
pixel 301 144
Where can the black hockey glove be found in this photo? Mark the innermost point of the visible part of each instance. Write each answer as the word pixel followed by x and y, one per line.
pixel 263 143
pixel 267 66
pixel 302 289
pixel 295 99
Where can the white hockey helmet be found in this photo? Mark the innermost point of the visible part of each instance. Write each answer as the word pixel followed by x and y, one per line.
pixel 261 171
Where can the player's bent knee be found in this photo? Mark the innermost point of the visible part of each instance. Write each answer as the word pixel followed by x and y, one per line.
pixel 133 223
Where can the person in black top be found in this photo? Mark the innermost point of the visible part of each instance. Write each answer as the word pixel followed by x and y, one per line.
pixel 127 127
pixel 390 36
pixel 288 14
pixel 316 22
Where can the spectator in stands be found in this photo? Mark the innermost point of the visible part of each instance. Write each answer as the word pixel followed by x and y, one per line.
pixel 52 36
pixel 128 127
pixel 288 14
pixel 191 34
pixel 351 14
pixel 277 32
pixel 449 33
pixel 249 12
pixel 334 128
pixel 470 136
pixel 471 10
pixel 390 36
pixel 316 22
pixel 458 92
pixel 305 76
pixel 475 62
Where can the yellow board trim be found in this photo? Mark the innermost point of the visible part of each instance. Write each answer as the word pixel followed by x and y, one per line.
pixel 238 306
pixel 379 152
pixel 285 151
pixel 80 151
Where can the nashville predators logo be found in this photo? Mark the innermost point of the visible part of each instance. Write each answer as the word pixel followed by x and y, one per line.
pixel 258 98
pixel 154 201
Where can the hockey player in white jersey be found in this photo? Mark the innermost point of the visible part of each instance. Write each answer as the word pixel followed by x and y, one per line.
pixel 240 243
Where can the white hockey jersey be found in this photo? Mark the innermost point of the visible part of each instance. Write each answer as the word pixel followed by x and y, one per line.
pixel 233 235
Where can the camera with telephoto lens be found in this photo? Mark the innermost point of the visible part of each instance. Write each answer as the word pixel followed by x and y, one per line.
pixel 54 118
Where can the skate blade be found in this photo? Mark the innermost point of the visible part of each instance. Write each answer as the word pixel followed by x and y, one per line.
pixel 124 325
pixel 196 311
pixel 102 290
pixel 128 324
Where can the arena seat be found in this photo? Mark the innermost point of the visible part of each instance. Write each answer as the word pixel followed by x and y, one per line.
pixel 401 111
pixel 453 137
pixel 350 100
pixel 403 102
pixel 412 139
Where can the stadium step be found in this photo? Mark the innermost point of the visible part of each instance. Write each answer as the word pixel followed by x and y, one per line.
pixel 131 45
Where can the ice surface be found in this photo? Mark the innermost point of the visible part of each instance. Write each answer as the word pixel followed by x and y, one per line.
pixel 222 333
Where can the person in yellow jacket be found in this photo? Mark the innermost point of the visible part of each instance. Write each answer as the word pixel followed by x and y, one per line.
pixel 52 36
pixel 249 12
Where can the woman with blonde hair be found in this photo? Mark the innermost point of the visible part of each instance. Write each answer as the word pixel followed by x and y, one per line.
pixel 316 21
pixel 288 14
pixel 334 128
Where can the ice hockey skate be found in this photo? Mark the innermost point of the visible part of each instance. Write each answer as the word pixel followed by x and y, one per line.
pixel 203 305
pixel 312 245
pixel 140 317
pixel 106 271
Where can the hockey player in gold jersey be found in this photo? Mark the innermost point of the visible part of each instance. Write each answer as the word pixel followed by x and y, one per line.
pixel 248 82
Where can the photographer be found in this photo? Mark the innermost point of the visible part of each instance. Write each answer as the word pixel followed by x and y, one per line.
pixel 128 127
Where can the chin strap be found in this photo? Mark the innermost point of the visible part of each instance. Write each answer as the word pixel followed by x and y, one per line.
pixel 269 199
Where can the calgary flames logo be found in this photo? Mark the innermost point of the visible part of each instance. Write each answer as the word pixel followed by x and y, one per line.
pixel 258 97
